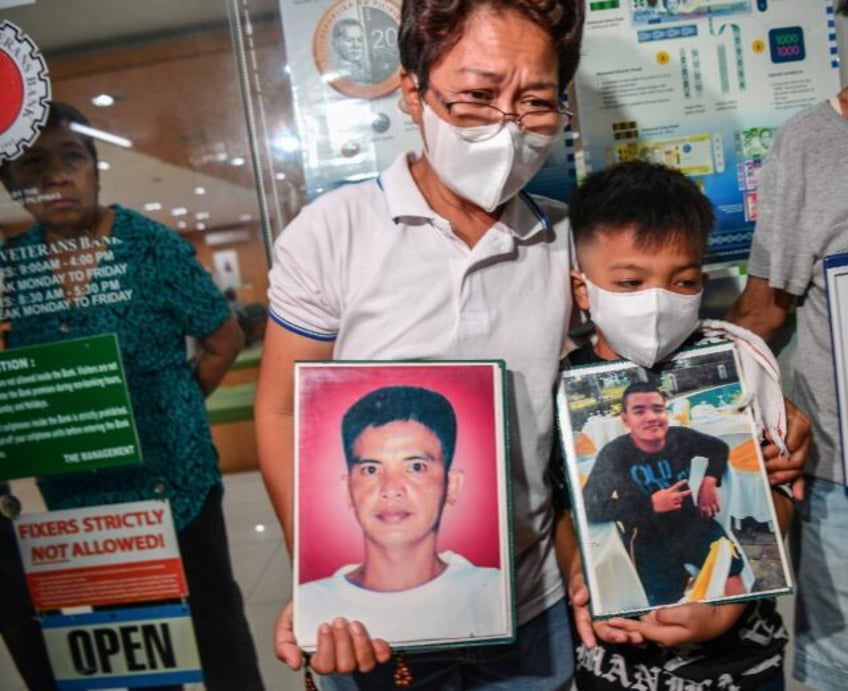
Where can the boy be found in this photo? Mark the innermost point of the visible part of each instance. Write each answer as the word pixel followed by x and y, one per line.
pixel 640 231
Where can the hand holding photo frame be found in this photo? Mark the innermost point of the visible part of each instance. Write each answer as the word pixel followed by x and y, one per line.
pixel 669 491
pixel 401 502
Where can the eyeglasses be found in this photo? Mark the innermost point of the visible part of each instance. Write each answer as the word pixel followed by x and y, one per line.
pixel 469 116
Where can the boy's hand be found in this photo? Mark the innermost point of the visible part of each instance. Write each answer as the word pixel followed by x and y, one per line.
pixel 684 624
pixel 671 498
pixel 343 647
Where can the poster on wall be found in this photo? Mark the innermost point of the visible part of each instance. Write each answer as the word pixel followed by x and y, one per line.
pixel 395 464
pixel 702 85
pixel 227 269
pixel 352 123
pixel 345 74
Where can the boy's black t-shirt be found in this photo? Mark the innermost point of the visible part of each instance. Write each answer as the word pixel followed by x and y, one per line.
pixel 749 654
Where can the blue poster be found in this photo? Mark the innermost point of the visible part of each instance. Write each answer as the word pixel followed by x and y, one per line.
pixel 702 85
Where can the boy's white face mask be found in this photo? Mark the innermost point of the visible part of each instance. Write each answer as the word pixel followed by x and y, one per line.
pixel 646 325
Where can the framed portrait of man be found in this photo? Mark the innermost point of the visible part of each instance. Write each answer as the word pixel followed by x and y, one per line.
pixel 401 502
pixel 670 497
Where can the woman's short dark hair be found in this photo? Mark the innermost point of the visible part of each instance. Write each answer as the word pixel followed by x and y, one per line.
pixel 430 28
pixel 58 113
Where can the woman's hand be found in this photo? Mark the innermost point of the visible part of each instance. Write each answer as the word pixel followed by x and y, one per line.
pixel 343 646
pixel 798 437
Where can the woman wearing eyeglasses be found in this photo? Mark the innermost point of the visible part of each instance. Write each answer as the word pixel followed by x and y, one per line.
pixel 444 257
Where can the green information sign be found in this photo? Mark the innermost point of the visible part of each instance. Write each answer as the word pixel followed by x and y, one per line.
pixel 64 407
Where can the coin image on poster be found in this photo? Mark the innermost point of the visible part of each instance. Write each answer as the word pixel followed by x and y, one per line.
pixel 355 47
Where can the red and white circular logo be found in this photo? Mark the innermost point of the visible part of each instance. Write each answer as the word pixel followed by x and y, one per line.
pixel 25 92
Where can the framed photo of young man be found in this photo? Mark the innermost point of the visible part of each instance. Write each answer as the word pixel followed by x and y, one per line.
pixel 670 497
pixel 401 502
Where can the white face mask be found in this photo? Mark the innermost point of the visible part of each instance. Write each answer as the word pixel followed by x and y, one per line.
pixel 644 326
pixel 486 172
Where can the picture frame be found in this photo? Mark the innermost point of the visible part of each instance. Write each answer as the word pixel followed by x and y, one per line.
pixel 684 430
pixel 836 284
pixel 401 523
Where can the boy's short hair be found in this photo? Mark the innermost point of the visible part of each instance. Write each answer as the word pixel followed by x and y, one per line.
pixel 401 403
pixel 58 113
pixel 640 387
pixel 842 8
pixel 661 204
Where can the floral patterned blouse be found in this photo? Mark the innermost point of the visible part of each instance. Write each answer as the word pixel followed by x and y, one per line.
pixel 147 287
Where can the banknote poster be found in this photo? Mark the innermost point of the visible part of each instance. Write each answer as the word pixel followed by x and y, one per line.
pixel 702 85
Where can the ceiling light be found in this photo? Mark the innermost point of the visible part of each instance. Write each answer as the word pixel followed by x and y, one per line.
pixel 179 211
pixel 100 134
pixel 199 190
pixel 200 226
pixel 202 215
pixel 152 206
pixel 280 176
pixel 245 217
pixel 286 143
pixel 237 161
pixel 103 165
pixel 103 100
pixel 182 225
pixel 226 237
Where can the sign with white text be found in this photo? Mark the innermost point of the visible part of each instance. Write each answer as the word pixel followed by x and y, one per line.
pixel 146 646
pixel 65 407
pixel 101 555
